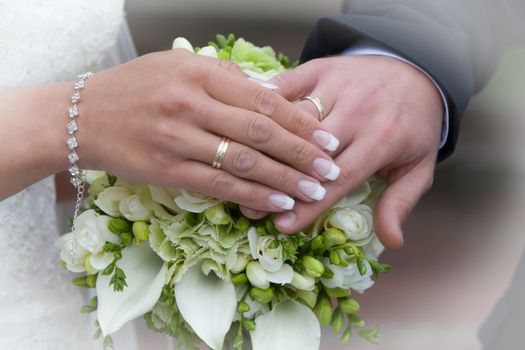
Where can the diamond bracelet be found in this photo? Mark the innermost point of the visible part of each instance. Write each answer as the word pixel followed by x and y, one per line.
pixel 77 176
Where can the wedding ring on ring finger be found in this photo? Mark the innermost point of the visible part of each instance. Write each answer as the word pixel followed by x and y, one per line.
pixel 318 105
pixel 221 152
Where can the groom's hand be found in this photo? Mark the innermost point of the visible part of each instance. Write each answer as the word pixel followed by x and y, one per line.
pixel 388 117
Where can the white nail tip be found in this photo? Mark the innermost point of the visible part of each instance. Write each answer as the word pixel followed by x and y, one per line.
pixel 281 201
pixel 326 140
pixel 333 173
pixel 312 190
pixel 264 84
pixel 333 144
pixel 319 193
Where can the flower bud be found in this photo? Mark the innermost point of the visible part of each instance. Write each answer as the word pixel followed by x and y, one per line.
pixel 318 244
pixel 80 282
pixel 240 264
pixel 263 296
pixel 356 320
pixel 118 226
pixel 249 325
pixel 328 273
pixel 323 310
pixel 337 292
pixel 182 43
pixel 217 215
pixel 337 321
pixel 313 267
pixel 334 258
pixel 345 339
pixel 257 275
pixel 239 279
pixel 91 281
pixel 349 306
pixel 334 237
pixel 309 297
pixel 126 238
pixel 242 307
pixel 141 231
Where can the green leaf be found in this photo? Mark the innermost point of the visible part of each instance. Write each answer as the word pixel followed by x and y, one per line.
pixel 118 281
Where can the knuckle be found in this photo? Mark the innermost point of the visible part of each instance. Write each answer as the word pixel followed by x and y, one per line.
pixel 300 152
pixel 222 185
pixel 253 196
pixel 229 66
pixel 301 124
pixel 283 178
pixel 174 101
pixel 265 102
pixel 244 160
pixel 259 129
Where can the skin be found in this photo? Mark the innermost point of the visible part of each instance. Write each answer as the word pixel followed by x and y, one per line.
pixel 388 116
pixel 156 120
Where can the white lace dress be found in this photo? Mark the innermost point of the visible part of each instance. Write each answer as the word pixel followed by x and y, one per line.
pixel 43 41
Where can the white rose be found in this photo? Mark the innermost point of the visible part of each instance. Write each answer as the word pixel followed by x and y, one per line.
pixel 271 259
pixel 133 209
pixel 92 231
pixel 208 51
pixel 356 222
pixel 349 277
pixel 109 199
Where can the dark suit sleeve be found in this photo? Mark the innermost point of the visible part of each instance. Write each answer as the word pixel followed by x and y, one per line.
pixel 457 48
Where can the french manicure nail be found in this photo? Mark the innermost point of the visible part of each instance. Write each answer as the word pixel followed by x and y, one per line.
pixel 312 189
pixel 327 169
pixel 286 219
pixel 326 140
pixel 281 201
pixel 264 84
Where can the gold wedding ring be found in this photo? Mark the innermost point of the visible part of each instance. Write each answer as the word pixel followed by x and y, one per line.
pixel 221 152
pixel 318 105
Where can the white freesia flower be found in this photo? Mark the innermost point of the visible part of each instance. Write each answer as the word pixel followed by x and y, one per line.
pixel 133 209
pixel 182 43
pixel 356 222
pixel 145 276
pixel 208 304
pixel 91 233
pixel 240 263
pixel 271 259
pixel 349 277
pixel 195 202
pixel 289 326
pixel 208 51
pixel 165 197
pixel 109 199
pixel 261 278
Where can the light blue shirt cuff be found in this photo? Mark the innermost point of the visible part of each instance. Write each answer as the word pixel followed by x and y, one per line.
pixel 367 47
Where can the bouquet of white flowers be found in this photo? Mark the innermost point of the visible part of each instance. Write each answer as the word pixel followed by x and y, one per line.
pixel 198 270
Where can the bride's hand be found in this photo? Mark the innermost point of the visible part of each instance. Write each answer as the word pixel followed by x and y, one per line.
pixel 160 118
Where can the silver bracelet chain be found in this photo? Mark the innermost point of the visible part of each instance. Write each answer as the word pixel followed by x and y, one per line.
pixel 77 175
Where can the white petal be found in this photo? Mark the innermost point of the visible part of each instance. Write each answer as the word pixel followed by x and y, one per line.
pixel 289 326
pixel 208 304
pixel 100 261
pixel 93 175
pixel 83 218
pixel 257 276
pixel 107 235
pixel 208 51
pixel 182 43
pixel 162 196
pixel 282 276
pixel 355 197
pixel 145 276
pixel 253 240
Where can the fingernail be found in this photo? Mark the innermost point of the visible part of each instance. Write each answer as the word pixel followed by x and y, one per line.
pixel 264 84
pixel 281 201
pixel 286 219
pixel 326 168
pixel 312 189
pixel 326 140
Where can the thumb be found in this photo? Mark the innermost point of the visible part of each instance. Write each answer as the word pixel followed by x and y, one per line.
pixel 296 83
pixel 397 202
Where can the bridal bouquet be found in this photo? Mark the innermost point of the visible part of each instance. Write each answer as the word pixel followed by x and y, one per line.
pixel 200 271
